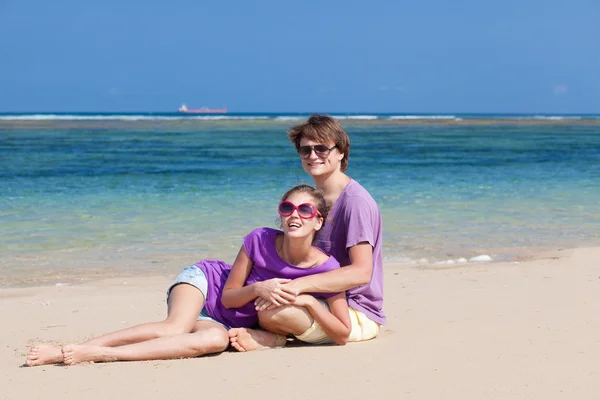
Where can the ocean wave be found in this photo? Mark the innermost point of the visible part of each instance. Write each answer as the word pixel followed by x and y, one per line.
pixel 226 117
pixel 367 117
pixel 288 118
pixel 418 117
pixel 282 117
pixel 423 261
pixel 556 117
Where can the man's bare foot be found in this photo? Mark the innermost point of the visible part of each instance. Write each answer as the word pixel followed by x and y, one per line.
pixel 76 353
pixel 43 355
pixel 243 339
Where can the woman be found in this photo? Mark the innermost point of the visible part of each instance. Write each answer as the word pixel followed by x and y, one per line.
pixel 210 297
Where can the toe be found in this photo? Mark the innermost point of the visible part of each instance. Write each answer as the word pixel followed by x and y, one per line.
pixel 232 332
pixel 238 347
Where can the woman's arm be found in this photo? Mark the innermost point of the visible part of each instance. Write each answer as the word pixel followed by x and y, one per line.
pixel 335 323
pixel 236 295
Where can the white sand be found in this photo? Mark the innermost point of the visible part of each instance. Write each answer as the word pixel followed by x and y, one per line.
pixel 471 331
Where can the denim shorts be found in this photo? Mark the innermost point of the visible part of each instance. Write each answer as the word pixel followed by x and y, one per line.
pixel 194 276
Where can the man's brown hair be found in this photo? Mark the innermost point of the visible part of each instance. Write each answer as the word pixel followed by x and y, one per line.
pixel 322 129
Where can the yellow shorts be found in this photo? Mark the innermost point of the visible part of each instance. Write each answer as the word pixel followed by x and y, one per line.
pixel 362 329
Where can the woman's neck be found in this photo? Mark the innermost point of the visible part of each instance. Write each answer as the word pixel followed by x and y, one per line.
pixel 296 251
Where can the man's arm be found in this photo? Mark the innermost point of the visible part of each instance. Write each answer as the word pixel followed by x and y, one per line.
pixel 358 273
pixel 335 321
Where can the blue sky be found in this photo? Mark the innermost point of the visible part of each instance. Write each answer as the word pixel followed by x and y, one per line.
pixel 278 56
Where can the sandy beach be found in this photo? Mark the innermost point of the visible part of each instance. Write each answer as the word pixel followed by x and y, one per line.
pixel 520 330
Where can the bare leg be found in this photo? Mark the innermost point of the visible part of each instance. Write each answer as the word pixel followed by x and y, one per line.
pixel 277 324
pixel 42 355
pixel 185 304
pixel 208 337
pixel 286 320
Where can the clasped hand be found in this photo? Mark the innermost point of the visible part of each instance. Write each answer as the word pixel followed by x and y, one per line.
pixel 274 293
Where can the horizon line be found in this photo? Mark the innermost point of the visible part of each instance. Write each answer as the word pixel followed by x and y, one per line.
pixel 313 112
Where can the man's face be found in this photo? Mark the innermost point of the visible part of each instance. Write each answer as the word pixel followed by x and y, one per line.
pixel 317 165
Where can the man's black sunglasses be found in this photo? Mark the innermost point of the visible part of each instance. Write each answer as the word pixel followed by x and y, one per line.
pixel 321 150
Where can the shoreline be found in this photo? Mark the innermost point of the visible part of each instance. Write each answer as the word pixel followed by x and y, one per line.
pixel 495 331
pixel 86 268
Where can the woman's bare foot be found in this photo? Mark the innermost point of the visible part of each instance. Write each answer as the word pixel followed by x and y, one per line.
pixel 76 353
pixel 243 339
pixel 43 355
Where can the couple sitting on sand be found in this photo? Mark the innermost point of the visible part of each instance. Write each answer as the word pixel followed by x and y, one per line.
pixel 279 280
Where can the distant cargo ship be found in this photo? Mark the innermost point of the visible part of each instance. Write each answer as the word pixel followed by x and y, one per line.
pixel 203 110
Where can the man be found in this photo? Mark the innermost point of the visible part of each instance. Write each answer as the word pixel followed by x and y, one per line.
pixel 352 234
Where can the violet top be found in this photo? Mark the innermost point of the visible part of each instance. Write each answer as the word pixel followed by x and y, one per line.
pixel 260 246
pixel 355 218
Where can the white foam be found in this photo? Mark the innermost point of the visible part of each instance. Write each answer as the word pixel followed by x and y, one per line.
pixel 481 258
pixel 288 118
pixel 226 117
pixel 368 117
pixel 445 262
pixel 174 117
pixel 433 117
pixel 555 117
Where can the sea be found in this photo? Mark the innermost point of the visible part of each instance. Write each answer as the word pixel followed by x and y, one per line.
pixel 85 196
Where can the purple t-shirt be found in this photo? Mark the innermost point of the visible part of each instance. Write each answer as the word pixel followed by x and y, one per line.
pixel 355 218
pixel 260 246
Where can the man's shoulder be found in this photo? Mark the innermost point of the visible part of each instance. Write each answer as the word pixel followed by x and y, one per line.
pixel 355 193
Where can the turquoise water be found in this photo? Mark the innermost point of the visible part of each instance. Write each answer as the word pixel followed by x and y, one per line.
pixel 86 197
